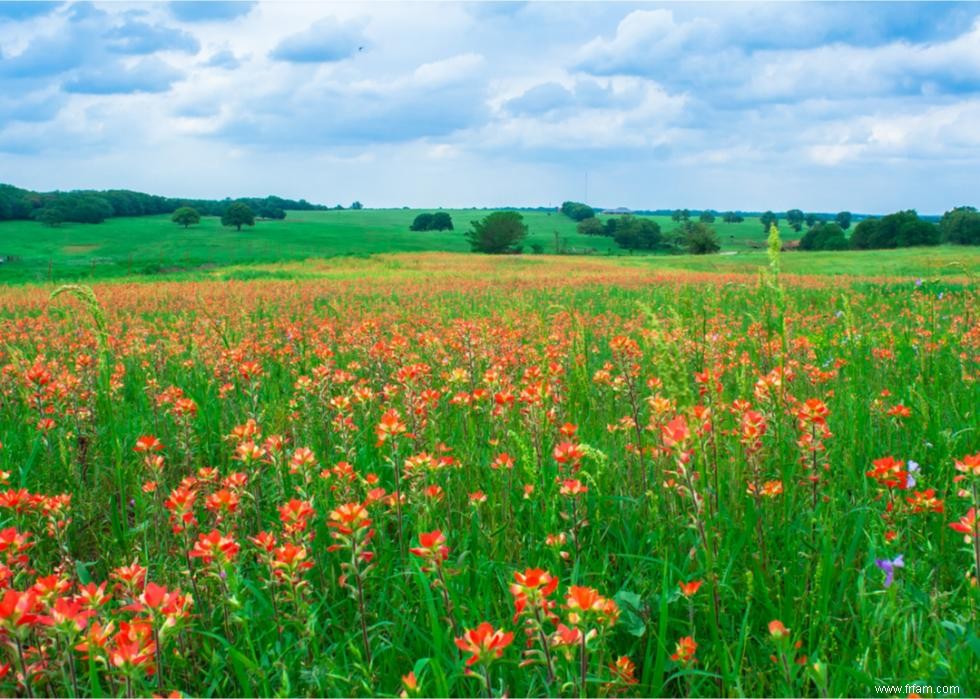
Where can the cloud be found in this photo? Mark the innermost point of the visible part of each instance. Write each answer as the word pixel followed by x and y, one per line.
pixel 19 11
pixel 149 75
pixel 224 59
pixel 701 55
pixel 209 10
pixel 140 38
pixel 434 100
pixel 35 107
pixel 326 41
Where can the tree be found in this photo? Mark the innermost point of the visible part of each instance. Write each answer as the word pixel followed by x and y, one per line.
pixel 441 221
pixel 238 214
pixel 706 217
pixel 633 233
pixel 768 220
pixel 900 229
pixel 795 218
pixel 811 220
pixel 824 236
pixel 577 211
pixel 186 216
pixel 50 216
pixel 357 206
pixel 591 226
pixel 698 238
pixel 499 232
pixel 961 226
pixel 843 219
pixel 422 222
pixel 732 217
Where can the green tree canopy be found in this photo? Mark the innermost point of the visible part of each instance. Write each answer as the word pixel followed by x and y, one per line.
pixel 897 230
pixel 498 233
pixel 843 220
pixel 186 216
pixel 422 222
pixel 795 218
pixel 238 214
pixel 824 236
pixel 634 233
pixel 577 211
pixel 768 220
pixel 961 226
pixel 591 226
pixel 698 238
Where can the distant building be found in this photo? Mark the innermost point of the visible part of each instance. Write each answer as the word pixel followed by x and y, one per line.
pixel 621 210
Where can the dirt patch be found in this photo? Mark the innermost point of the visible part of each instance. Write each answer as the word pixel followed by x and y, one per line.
pixel 78 249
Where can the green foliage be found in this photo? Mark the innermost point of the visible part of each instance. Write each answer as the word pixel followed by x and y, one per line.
pixel 499 233
pixel 843 219
pixel 635 233
pixel 357 206
pixel 680 215
pixel 795 219
pixel 591 226
pixel 51 216
pixel 961 226
pixel 897 230
pixel 422 222
pixel 698 238
pixel 238 214
pixel 577 211
pixel 707 217
pixel 186 216
pixel 732 217
pixel 768 220
pixel 439 221
pixel 824 236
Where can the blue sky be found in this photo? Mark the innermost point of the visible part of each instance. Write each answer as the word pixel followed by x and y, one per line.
pixel 869 107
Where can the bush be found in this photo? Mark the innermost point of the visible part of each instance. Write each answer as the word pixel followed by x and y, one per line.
pixel 499 233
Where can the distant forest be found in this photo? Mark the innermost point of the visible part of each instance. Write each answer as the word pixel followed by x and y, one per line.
pixel 90 206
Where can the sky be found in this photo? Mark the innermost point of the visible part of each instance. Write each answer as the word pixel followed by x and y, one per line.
pixel 867 107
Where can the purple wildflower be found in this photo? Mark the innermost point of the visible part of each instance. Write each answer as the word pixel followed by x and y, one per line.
pixel 889 567
pixel 913 467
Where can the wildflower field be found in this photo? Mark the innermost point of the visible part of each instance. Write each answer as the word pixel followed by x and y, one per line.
pixel 463 476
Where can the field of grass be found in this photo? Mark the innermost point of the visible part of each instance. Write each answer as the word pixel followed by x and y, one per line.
pixel 152 245
pixel 457 475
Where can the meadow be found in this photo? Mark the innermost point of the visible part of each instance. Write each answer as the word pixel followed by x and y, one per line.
pixel 150 246
pixel 454 475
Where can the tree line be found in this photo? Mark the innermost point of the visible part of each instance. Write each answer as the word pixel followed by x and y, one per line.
pixel 90 206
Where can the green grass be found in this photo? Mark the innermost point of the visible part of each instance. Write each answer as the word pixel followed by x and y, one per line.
pixel 437 338
pixel 153 244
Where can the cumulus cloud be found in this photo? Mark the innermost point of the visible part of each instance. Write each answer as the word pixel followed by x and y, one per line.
pixel 143 38
pixel 148 75
pixel 326 41
pixel 694 104
pixel 434 100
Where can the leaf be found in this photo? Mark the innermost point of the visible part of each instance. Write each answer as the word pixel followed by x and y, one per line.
pixel 631 612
